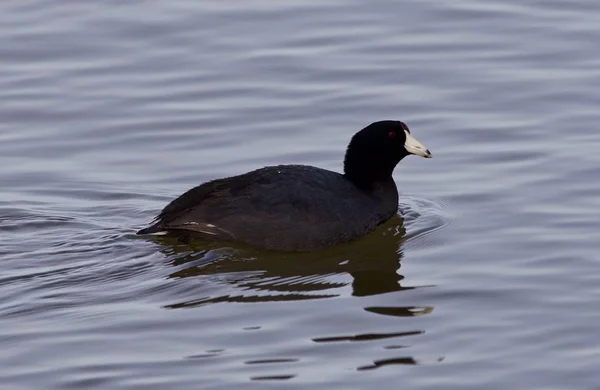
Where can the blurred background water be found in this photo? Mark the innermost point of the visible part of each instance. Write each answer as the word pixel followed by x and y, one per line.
pixel 487 279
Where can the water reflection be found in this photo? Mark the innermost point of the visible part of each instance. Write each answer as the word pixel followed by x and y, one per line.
pixel 259 276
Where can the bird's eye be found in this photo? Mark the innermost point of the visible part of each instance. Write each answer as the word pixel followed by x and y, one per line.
pixel 392 134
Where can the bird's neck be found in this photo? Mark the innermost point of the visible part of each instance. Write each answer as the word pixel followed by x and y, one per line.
pixel 367 173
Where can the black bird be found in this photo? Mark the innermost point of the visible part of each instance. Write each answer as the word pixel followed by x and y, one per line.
pixel 299 207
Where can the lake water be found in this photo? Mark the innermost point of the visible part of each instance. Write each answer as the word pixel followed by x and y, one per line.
pixel 489 280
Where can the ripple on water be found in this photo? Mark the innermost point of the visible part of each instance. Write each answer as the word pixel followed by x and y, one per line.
pixel 423 220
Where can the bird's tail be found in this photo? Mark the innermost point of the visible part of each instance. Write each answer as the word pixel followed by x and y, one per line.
pixel 151 230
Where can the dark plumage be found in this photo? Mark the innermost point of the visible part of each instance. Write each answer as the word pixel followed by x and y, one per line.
pixel 299 207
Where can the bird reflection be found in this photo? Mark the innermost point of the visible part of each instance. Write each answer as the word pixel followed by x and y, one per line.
pixel 253 275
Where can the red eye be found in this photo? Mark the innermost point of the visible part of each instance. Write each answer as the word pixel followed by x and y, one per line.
pixel 392 134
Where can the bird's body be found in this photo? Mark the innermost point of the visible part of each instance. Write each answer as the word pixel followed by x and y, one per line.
pixel 296 207
pixel 285 207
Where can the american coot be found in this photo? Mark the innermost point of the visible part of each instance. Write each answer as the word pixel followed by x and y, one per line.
pixel 300 207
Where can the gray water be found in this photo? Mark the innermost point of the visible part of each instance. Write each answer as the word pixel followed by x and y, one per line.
pixel 489 277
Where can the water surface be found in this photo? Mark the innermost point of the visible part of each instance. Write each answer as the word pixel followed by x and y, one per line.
pixel 487 278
